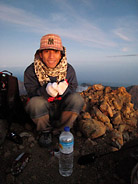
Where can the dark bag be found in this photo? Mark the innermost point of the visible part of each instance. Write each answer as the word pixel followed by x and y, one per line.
pixel 11 106
pixel 9 92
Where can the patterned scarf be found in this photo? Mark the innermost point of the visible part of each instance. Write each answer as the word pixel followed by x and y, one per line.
pixel 43 72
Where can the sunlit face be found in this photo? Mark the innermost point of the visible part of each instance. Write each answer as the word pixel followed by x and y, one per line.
pixel 50 57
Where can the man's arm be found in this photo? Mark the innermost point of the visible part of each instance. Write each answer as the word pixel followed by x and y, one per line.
pixel 72 80
pixel 32 84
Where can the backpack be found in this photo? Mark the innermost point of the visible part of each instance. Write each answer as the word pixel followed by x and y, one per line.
pixel 11 106
pixel 9 92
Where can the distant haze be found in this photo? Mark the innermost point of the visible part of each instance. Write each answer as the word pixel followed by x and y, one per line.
pixel 105 75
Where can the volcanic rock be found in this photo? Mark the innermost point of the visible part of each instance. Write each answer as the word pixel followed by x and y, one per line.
pixel 110 111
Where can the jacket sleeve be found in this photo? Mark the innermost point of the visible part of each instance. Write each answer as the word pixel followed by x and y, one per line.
pixel 32 84
pixel 72 80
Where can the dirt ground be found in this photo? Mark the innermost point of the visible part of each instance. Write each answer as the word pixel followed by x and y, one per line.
pixel 42 168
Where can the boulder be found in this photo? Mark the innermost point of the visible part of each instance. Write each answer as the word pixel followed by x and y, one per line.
pixel 92 128
pixel 117 119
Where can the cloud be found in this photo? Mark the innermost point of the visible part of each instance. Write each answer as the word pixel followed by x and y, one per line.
pixel 127 55
pixel 125 49
pixel 19 17
pixel 72 26
pixel 127 28
pixel 122 35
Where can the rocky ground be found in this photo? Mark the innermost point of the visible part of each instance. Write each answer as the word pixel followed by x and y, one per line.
pixel 115 144
pixel 42 167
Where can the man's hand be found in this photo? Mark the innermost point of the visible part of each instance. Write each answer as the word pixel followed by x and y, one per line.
pixel 51 89
pixel 55 86
pixel 62 86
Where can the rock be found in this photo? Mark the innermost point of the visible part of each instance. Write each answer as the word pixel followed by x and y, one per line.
pixel 84 107
pixel 34 177
pixel 132 122
pixel 92 128
pixel 90 142
pixel 98 87
pixel 79 134
pixel 126 136
pixel 117 104
pixel 76 153
pixel 31 139
pixel 102 117
pixel 25 134
pixel 114 149
pixel 15 149
pixel 117 119
pixel 105 108
pixel 10 179
pixel 21 147
pixel 28 126
pixel 133 90
pixel 117 138
pixel 94 101
pixel 86 115
pixel 110 112
pixel 122 128
pixel 107 89
pixel 85 127
pixel 123 95
pixel 126 112
pixel 32 145
pixel 81 123
pixel 7 154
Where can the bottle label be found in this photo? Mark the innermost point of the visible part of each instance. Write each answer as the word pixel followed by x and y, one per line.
pixel 66 147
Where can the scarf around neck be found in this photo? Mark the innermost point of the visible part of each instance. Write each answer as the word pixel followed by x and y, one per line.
pixel 44 73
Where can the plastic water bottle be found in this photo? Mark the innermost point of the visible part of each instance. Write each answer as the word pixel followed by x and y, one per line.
pixel 66 144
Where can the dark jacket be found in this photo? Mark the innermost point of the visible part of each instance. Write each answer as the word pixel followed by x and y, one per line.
pixel 34 88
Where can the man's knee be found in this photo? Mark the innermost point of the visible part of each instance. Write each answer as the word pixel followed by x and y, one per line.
pixel 76 98
pixel 74 102
pixel 37 107
pixel 36 102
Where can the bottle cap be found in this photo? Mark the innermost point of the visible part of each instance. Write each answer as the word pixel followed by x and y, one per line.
pixel 67 129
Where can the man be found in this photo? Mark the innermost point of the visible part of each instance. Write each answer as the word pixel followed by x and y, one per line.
pixel 51 85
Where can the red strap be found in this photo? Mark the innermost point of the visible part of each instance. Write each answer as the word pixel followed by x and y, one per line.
pixel 51 99
pixel 67 81
pixel 28 99
pixel 58 98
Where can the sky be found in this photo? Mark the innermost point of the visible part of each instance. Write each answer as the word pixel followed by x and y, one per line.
pixel 101 36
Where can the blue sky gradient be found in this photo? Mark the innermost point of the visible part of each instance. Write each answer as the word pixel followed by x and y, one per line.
pixel 101 36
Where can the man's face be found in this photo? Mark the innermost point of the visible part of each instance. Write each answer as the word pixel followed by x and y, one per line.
pixel 50 57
